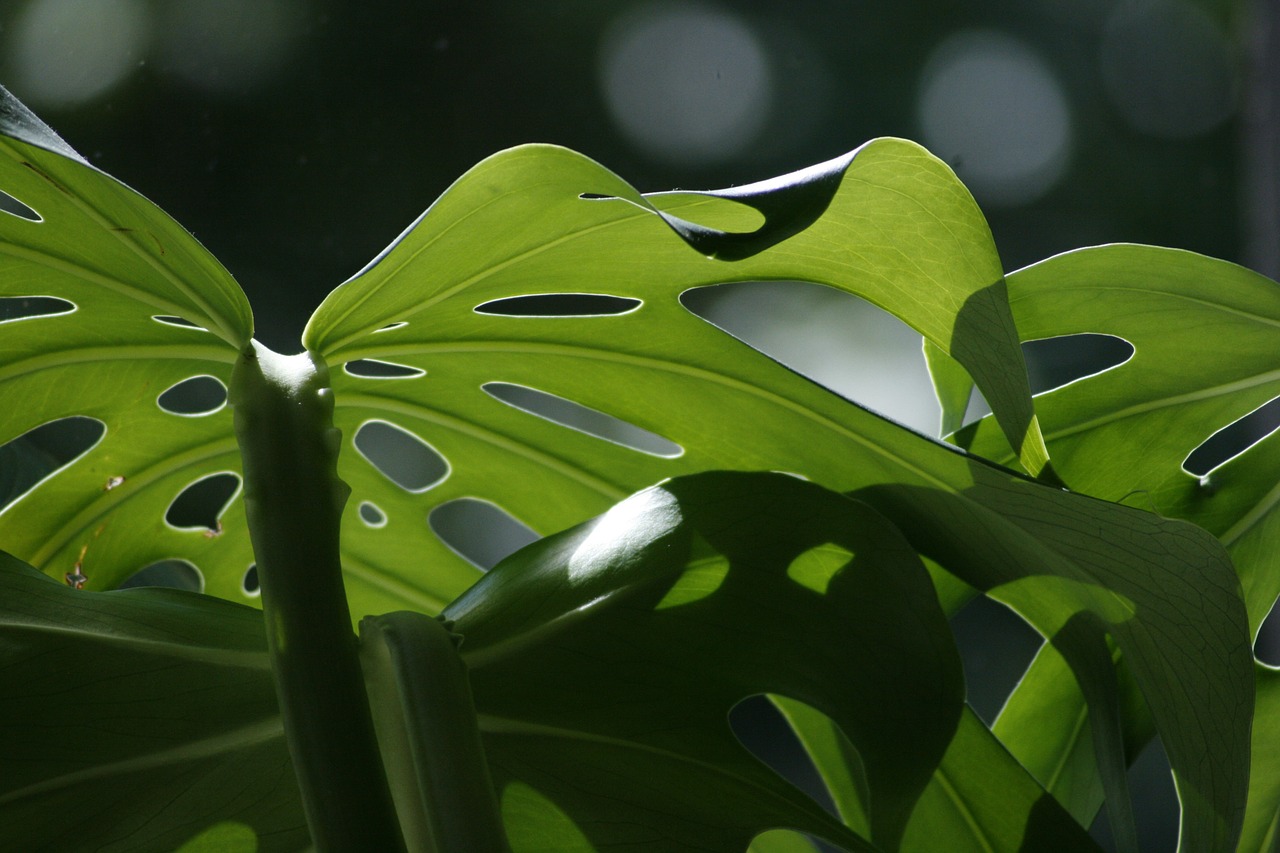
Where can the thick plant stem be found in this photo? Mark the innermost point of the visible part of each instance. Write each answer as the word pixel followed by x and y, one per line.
pixel 426 719
pixel 294 499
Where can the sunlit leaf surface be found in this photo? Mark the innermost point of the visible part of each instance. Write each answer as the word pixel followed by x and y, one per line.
pixel 111 305
pixel 887 222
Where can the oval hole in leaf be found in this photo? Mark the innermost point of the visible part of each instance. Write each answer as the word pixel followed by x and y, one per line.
pixel 199 395
pixel 171 574
pixel 40 452
pixel 400 456
pixel 760 727
pixel 578 417
pixel 202 503
pixel 836 339
pixel 13 207
pixel 170 320
pixel 1155 802
pixel 250 585
pixel 1266 646
pixel 13 308
pixel 390 326
pixel 1058 361
pixel 372 515
pixel 1233 439
pixel 560 305
pixel 372 368
pixel 996 647
pixel 479 532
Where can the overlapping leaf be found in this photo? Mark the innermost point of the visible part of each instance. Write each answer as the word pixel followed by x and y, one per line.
pixel 1204 334
pixel 605 660
pixel 1144 580
pixel 607 697
pixel 888 222
pixel 117 263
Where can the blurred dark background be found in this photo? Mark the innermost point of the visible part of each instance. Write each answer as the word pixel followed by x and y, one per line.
pixel 296 138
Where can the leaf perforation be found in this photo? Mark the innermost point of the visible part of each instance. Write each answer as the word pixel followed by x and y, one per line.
pixel 532 348
pixel 83 522
pixel 583 419
pixel 492 437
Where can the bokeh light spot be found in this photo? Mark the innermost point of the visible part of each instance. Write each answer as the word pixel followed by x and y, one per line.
pixel 991 106
pixel 1168 68
pixel 685 82
pixel 64 52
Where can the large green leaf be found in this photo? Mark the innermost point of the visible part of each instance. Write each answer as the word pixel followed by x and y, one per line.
pixel 1262 821
pixel 1161 600
pixel 888 222
pixel 723 585
pixel 135 720
pixel 605 661
pixel 118 263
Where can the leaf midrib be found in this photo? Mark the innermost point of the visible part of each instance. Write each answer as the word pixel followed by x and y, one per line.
pixel 178 648
pixel 243 737
pixel 115 352
pixel 138 482
pixel 496 725
pixel 704 374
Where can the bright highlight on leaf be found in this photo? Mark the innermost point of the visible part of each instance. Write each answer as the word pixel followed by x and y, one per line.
pixel 817 567
pixel 702 578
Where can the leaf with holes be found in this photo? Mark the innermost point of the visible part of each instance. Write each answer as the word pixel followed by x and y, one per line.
pixel 605 660
pixel 1204 334
pixel 119 335
pixel 542 291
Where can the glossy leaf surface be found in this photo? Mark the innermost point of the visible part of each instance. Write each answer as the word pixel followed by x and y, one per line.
pixel 1204 337
pixel 888 222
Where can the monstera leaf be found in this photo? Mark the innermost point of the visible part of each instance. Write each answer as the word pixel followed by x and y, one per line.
pixel 139 718
pixel 1203 334
pixel 463 307
pixel 604 709
pixel 441 348
pixel 127 305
